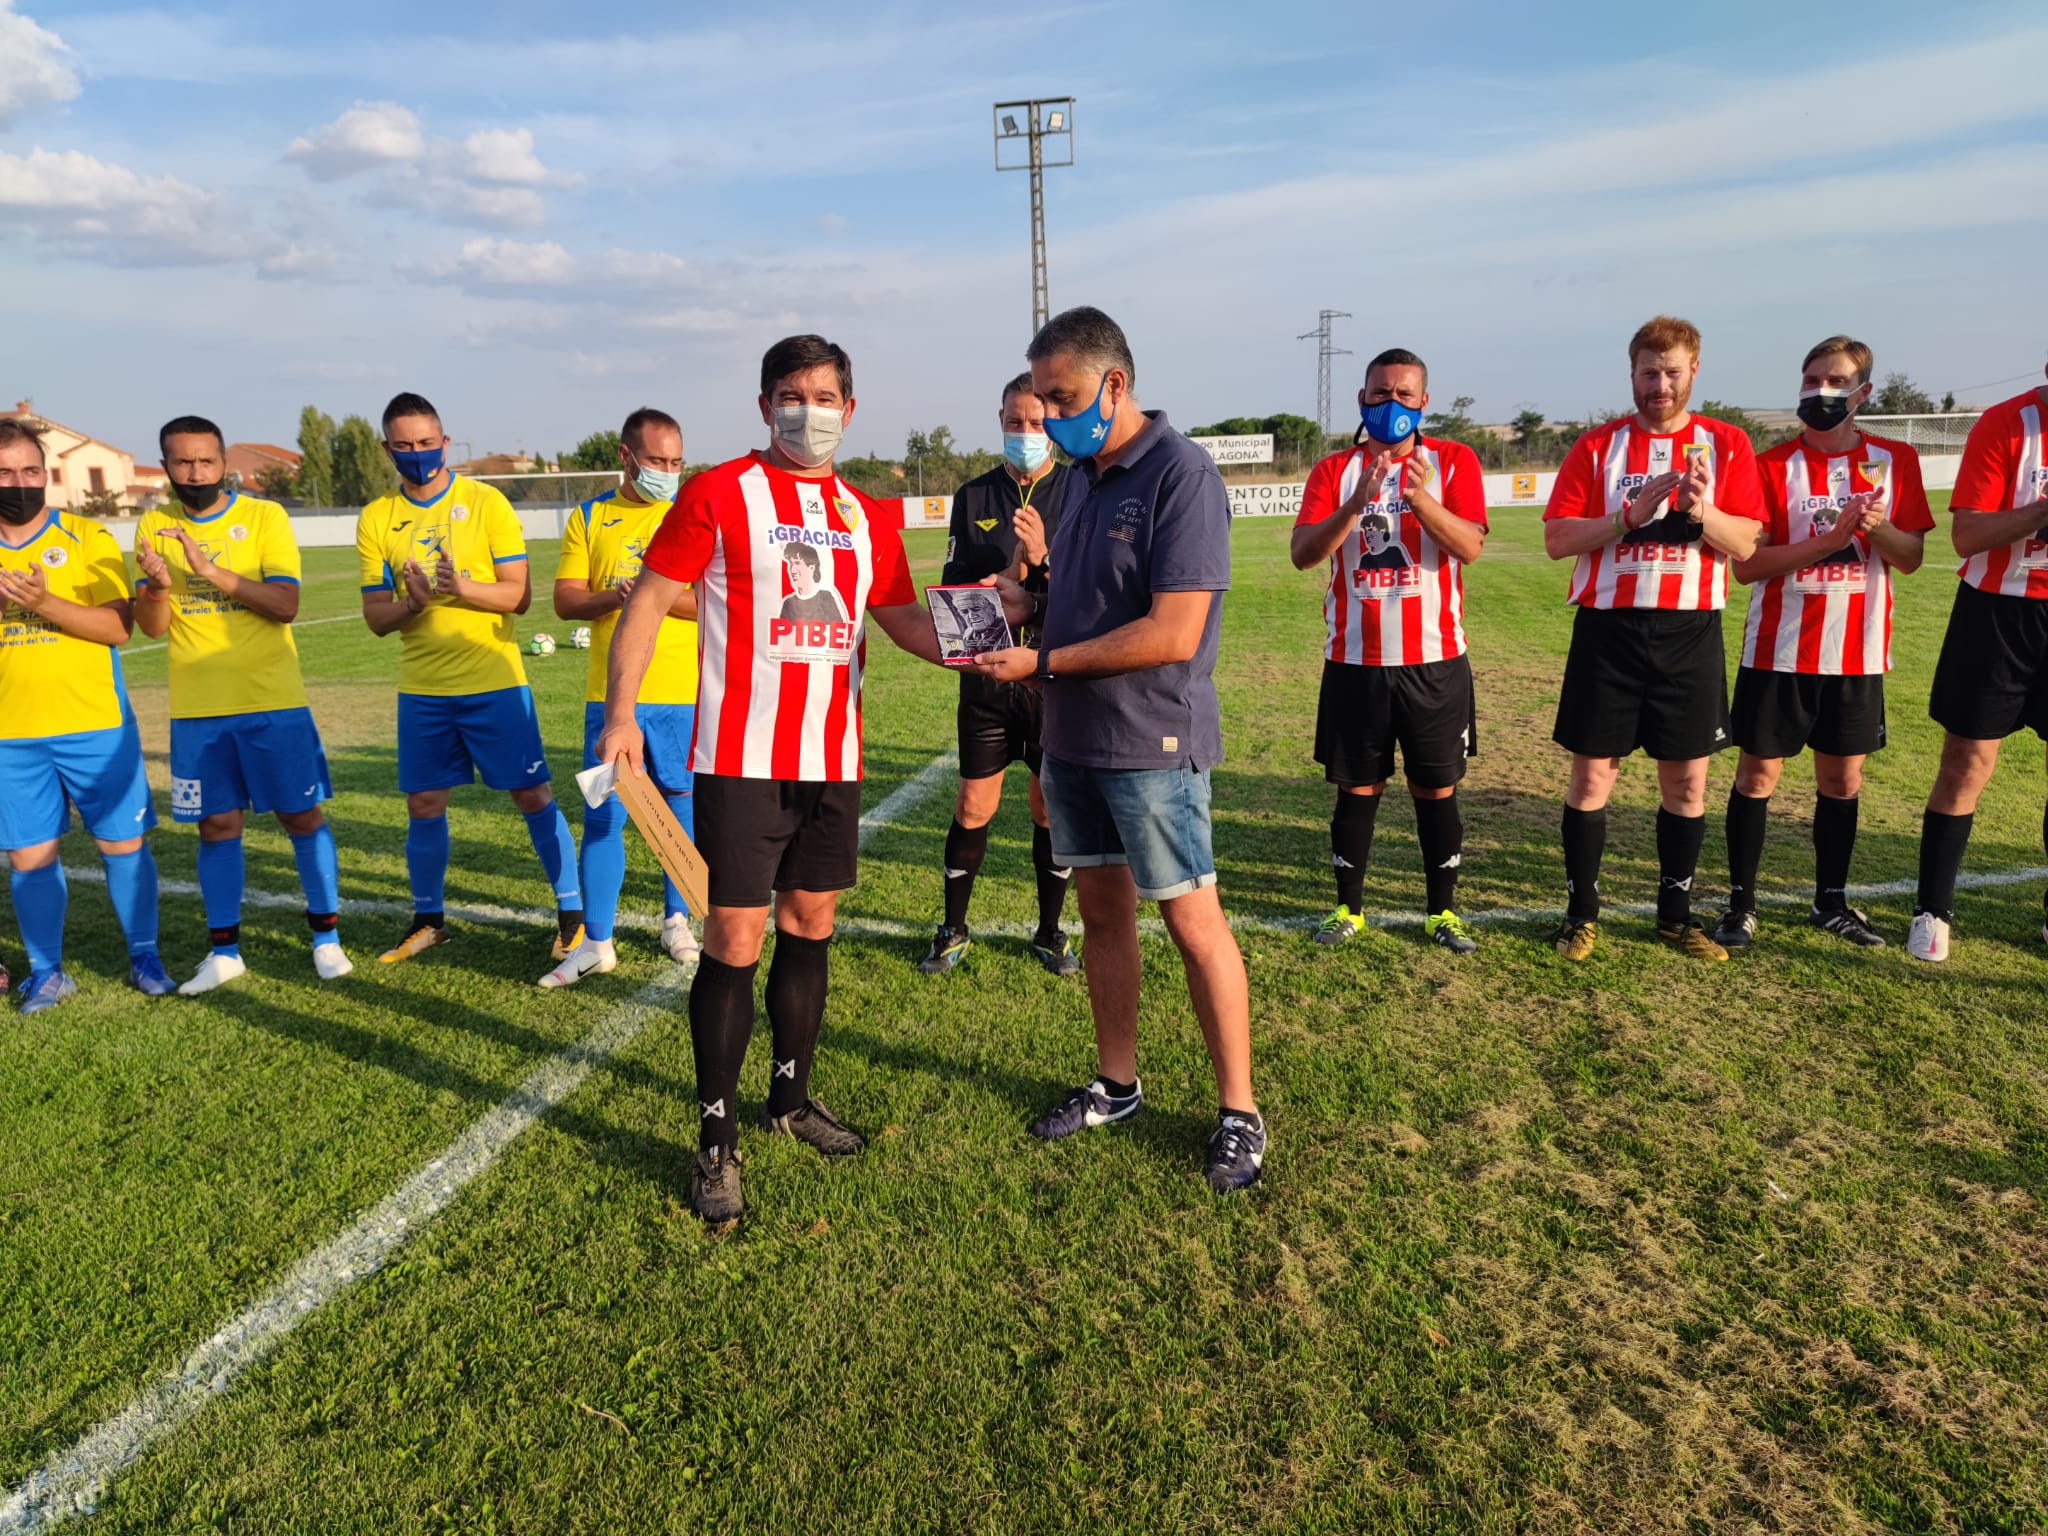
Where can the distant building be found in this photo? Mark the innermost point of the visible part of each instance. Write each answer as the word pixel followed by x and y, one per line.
pixel 81 465
pixel 500 464
pixel 247 462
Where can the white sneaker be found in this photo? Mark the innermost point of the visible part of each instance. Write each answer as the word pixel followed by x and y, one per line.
pixel 215 970
pixel 587 957
pixel 677 939
pixel 1929 938
pixel 330 962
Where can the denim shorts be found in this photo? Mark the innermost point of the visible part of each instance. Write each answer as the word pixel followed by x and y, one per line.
pixel 1156 820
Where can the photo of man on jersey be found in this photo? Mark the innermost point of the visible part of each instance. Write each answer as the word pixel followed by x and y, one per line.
pixel 1384 550
pixel 808 598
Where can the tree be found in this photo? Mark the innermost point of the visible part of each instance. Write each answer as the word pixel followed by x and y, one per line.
pixel 98 505
pixel 276 481
pixel 1528 424
pixel 362 470
pixel 315 483
pixel 597 452
pixel 1900 396
pixel 1760 436
pixel 1948 402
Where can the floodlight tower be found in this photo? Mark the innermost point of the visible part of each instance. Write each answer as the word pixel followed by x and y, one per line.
pixel 1032 123
pixel 1324 352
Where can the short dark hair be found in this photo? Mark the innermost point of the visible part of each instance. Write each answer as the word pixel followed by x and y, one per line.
pixel 805 553
pixel 16 429
pixel 797 354
pixel 406 403
pixel 647 416
pixel 1091 337
pixel 188 426
pixel 1020 385
pixel 1399 357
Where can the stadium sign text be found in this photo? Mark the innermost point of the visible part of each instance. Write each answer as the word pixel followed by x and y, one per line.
pixel 1249 449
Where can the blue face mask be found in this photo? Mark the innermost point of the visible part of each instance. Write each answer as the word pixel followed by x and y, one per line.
pixel 419 466
pixel 1027 450
pixel 1390 422
pixel 1082 436
pixel 655 484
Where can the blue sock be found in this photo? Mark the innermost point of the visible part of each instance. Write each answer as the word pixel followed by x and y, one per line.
pixel 320 877
pixel 685 808
pixel 131 887
pixel 426 861
pixel 220 889
pixel 556 845
pixel 39 897
pixel 604 867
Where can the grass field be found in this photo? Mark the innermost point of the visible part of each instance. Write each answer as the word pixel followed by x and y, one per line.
pixel 1642 1245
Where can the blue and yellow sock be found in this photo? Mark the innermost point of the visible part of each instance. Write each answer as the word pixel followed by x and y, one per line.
pixel 131 887
pixel 604 867
pixel 426 861
pixel 320 878
pixel 220 888
pixel 39 900
pixel 556 845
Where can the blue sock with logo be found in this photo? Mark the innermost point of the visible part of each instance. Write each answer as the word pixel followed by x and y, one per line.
pixel 220 888
pixel 426 861
pixel 39 898
pixel 131 887
pixel 320 878
pixel 685 808
pixel 604 867
pixel 556 845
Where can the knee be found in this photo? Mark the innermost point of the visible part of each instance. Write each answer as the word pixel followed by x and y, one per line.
pixel 1838 778
pixel 978 802
pixel 40 856
pixel 426 804
pixel 1756 777
pixel 300 823
pixel 1104 901
pixel 538 798
pixel 219 829
pixel 124 845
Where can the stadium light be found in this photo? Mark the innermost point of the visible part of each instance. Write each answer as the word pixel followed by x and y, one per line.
pixel 1046 118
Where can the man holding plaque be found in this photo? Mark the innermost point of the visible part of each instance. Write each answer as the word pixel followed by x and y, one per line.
pixel 1845 509
pixel 1648 508
pixel 1002 524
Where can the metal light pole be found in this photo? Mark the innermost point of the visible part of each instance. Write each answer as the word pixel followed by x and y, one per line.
pixel 1324 352
pixel 1047 117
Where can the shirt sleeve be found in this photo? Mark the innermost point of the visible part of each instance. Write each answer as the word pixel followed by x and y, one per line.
pixel 1191 533
pixel 1575 491
pixel 371 570
pixel 892 586
pixel 1319 496
pixel 681 547
pixel 1910 512
pixel 278 555
pixel 106 571
pixel 501 528
pixel 574 563
pixel 1463 492
pixel 1984 478
pixel 1771 483
pixel 1738 489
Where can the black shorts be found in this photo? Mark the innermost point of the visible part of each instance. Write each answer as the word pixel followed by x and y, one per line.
pixel 1780 714
pixel 1644 678
pixel 1426 710
pixel 999 725
pixel 1992 678
pixel 765 835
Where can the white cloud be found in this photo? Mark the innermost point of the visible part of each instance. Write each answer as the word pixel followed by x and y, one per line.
pixel 368 135
pixel 38 70
pixel 114 213
pixel 695 320
pixel 297 260
pixel 503 155
pixel 489 263
pixel 644 268
pixel 831 225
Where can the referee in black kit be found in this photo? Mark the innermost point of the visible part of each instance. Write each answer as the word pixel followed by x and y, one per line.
pixel 1002 523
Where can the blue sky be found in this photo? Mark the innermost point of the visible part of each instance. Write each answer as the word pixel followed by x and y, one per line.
pixel 542 216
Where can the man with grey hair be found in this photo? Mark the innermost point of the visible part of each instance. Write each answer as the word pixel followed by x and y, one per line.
pixel 1126 657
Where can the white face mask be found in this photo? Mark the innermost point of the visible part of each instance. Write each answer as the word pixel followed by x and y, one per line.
pixel 809 434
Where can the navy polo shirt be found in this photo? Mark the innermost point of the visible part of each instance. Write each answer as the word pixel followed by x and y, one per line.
pixel 1157 520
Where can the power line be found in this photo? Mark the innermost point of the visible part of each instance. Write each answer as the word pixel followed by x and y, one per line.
pixel 1324 352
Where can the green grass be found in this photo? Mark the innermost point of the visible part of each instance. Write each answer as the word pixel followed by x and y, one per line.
pixel 1517 1264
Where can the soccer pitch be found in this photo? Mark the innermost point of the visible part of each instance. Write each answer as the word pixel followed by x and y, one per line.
pixel 1639 1244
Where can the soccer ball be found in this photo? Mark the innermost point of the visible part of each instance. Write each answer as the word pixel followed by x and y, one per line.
pixel 542 645
pixel 579 637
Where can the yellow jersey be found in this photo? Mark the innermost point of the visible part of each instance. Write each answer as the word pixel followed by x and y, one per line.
pixel 602 545
pixel 51 683
pixel 450 648
pixel 226 660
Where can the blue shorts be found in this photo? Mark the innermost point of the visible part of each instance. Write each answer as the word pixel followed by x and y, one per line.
pixel 268 760
pixel 669 730
pixel 447 740
pixel 1156 820
pixel 100 772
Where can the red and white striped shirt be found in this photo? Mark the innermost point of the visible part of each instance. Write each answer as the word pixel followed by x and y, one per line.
pixel 1665 564
pixel 2005 465
pixel 1396 597
pixel 786 569
pixel 1832 618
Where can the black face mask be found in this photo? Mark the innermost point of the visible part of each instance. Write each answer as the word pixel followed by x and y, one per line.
pixel 1825 411
pixel 20 504
pixel 198 498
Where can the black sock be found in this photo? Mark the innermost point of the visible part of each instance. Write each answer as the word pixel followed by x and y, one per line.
pixel 721 1022
pixel 1585 845
pixel 323 922
pixel 966 847
pixel 1351 827
pixel 567 921
pixel 796 1012
pixel 1117 1090
pixel 1748 816
pixel 1834 840
pixel 1440 829
pixel 1678 860
pixel 428 920
pixel 225 938
pixel 1052 885
pixel 1942 842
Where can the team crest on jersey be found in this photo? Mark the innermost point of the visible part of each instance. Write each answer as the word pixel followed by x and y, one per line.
pixel 1872 472
pixel 55 558
pixel 1694 452
pixel 1421 471
pixel 459 515
pixel 238 533
pixel 986 525
pixel 849 511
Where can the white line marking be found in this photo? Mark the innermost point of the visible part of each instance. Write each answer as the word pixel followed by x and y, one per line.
pixel 144 650
pixel 73 1481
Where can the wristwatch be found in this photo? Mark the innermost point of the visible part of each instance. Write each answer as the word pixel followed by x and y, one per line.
pixel 1044 672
